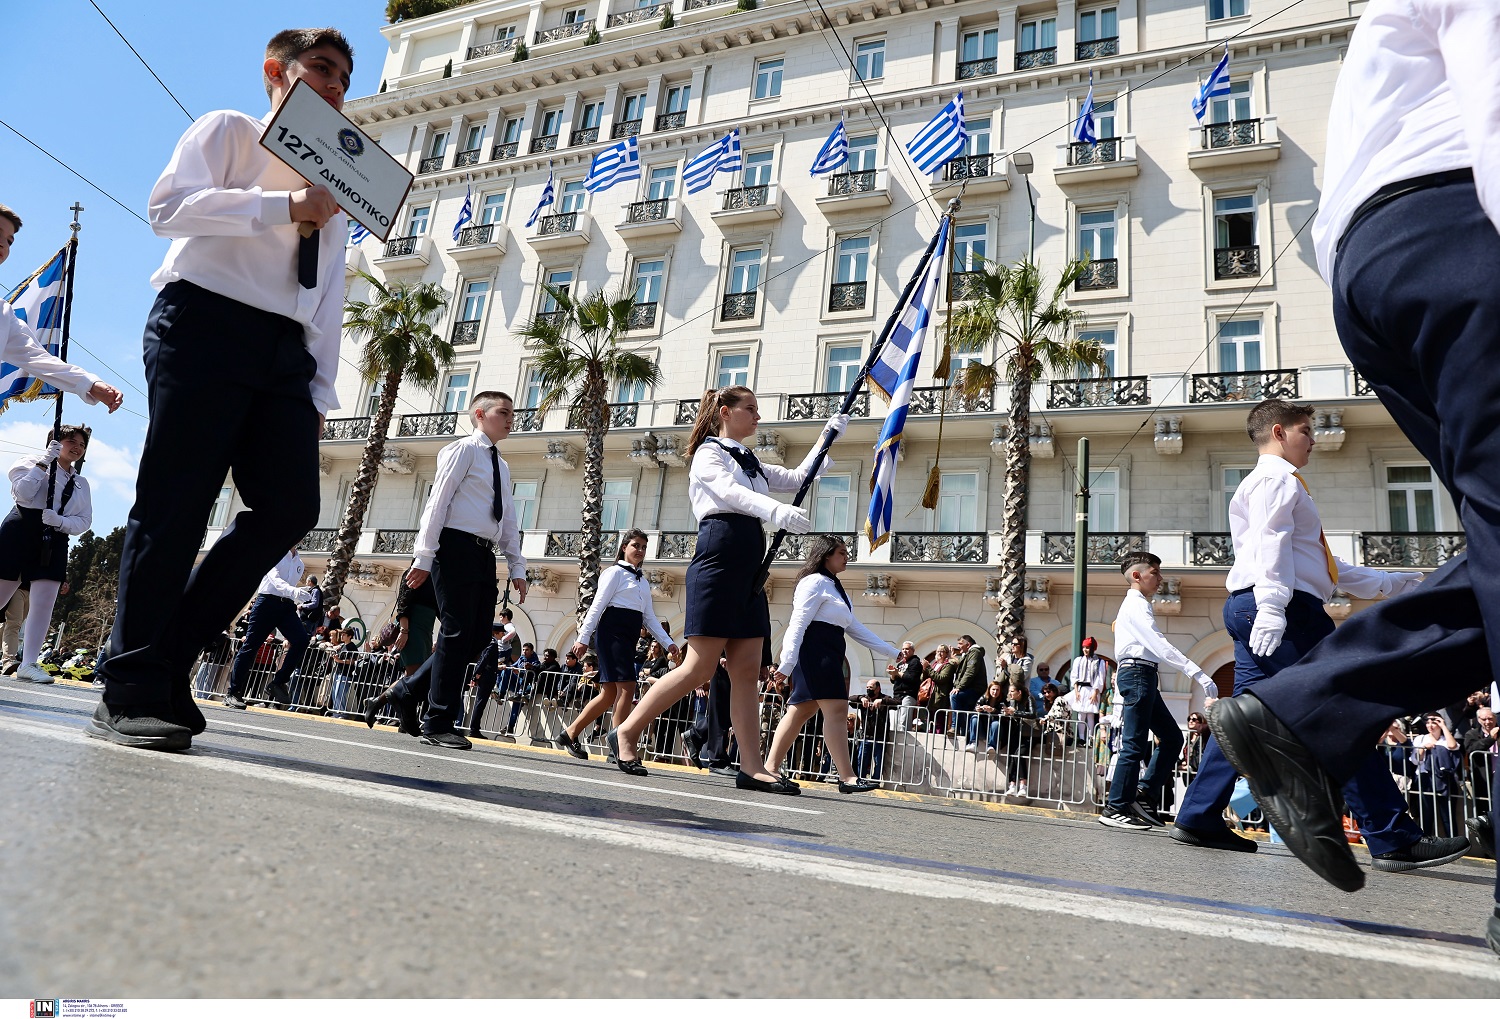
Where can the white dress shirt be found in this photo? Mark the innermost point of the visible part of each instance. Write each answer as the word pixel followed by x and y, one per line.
pixel 23 350
pixel 1278 546
pixel 284 577
pixel 224 200
pixel 28 483
pixel 817 600
pixel 1136 636
pixel 620 588
pixel 463 498
pixel 717 485
pixel 1418 93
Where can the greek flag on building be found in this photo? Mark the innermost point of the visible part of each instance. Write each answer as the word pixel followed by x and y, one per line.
pixel 549 195
pixel 39 303
pixel 621 161
pixel 893 375
pixel 1084 130
pixel 834 153
pixel 357 232
pixel 465 214
pixel 1216 85
pixel 723 156
pixel 943 138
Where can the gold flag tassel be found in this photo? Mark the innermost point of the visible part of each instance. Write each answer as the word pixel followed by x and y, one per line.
pixel 934 477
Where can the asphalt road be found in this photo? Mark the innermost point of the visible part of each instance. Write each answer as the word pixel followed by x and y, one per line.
pixel 287 856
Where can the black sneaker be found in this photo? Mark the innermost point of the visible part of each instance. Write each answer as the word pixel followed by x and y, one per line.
pixel 280 696
pixel 1123 819
pixel 1143 810
pixel 1425 852
pixel 447 740
pixel 234 700
pixel 138 727
pixel 1221 839
pixel 185 710
pixel 1482 833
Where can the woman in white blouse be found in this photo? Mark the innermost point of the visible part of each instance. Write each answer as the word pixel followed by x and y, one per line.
pixel 727 611
pixel 812 654
pixel 614 621
pixel 34 535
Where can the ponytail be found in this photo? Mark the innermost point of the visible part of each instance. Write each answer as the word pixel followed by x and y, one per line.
pixel 707 422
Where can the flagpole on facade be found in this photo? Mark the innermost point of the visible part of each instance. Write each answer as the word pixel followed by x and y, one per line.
pixel 859 380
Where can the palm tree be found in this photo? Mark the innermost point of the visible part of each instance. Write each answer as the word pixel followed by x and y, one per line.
pixel 578 355
pixel 1005 305
pixel 396 325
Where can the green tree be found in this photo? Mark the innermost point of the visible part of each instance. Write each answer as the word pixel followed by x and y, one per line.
pixel 399 346
pixel 1011 308
pixel 93 578
pixel 578 356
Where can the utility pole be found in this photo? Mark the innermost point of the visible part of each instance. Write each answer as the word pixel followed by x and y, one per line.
pixel 1081 548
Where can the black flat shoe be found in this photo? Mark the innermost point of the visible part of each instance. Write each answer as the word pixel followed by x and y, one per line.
pixel 570 744
pixel 859 785
pixel 612 739
pixel 372 706
pixel 781 786
pixel 1222 839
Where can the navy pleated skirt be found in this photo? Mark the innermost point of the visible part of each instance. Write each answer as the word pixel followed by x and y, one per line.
pixel 23 554
pixel 721 600
pixel 614 644
pixel 819 675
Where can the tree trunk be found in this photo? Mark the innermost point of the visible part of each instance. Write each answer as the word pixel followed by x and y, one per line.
pixel 1010 619
pixel 595 403
pixel 341 554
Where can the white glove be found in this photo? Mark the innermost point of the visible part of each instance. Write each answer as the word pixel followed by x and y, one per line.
pixel 792 519
pixel 303 597
pixel 1403 582
pixel 52 519
pixel 54 450
pixel 836 425
pixel 1265 635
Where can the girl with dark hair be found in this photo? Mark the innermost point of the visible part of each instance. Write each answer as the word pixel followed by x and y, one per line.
pixel 727 611
pixel 812 653
pixel 621 607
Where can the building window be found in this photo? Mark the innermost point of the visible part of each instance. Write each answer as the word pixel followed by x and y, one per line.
pixel 1411 492
pixel 1229 483
pixel 1239 346
pixel 768 78
pixel 416 225
pixel 744 271
pixel 532 389
pixel 970 244
pixel 1104 119
pixel 758 166
pixel 576 16
pixel 1234 222
pixel 572 197
pixel 615 514
pixel 492 208
pixel 524 496
pixel 648 277
pixel 475 295
pixel 635 107
pixel 732 369
pixel 1098 24
pixel 1096 235
pixel 551 123
pixel 861 153
pixel 439 145
pixel 978 143
pixel 958 501
pixel 869 60
pixel 831 500
pixel 1235 106
pixel 663 183
pixel 219 515
pixel 841 367
pixel 561 279
pixel 456 393
pixel 630 392
pixel 513 129
pixel 1218 10
pixel 981 45
pixel 1104 500
pixel 1106 340
pixel 475 138
pixel 677 98
pixel 853 260
pixel 504 33
pixel 959 361
pixel 372 404
pixel 592 114
pixel 1038 34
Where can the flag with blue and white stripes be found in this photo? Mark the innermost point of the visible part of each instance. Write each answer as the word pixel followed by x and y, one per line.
pixel 1216 85
pixel 943 138
pixel 723 156
pixel 1083 129
pixel 549 195
pixel 621 161
pixel 39 303
pixel 834 153
pixel 357 232
pixel 894 376
pixel 465 214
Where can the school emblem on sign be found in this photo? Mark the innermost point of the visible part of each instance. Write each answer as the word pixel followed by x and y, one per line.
pixel 352 142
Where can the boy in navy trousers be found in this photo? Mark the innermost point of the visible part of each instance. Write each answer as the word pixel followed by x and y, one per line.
pixel 242 340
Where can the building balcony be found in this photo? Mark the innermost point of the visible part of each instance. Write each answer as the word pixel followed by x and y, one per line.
pixel 584 136
pixel 476 243
pixel 319 539
pixel 637 16
pixel 985 174
pixel 642 315
pixel 655 217
pixel 1126 391
pixel 1241 263
pixel 982 68
pixel 355 261
pixel 569 544
pixel 405 253
pixel 432 164
pixel 671 121
pixel 1100 274
pixel 848 296
pixel 465 332
pixel 1027 60
pixel 965 286
pixel 738 307
pixel 1212 548
pixel 562 230
pixel 687 412
pixel 625 129
pixel 504 150
pixel 851 192
pixel 676 546
pixel 702 10
pixel 342 429
pixel 1106 159
pixel 822 406
pixel 621 415
pixel 1225 387
pixel 794 547
pixel 421 426
pixel 759 203
pixel 1096 49
pixel 561 33
pixel 490 49
pixel 1236 143
pixel 529 419
pixel 395 542
pixel 1387 549
pixel 468 157
pixel 1104 548
pixel 929 400
pixel 941 547
pixel 543 143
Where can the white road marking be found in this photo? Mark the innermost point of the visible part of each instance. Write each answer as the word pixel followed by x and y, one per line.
pixel 1469 963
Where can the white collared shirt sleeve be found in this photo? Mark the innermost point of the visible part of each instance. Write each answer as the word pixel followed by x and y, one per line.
pixel 190 198
pixel 24 351
pixel 1268 529
pixel 322 335
pixel 609 585
pixel 781 479
pixel 28 481
pixel 806 601
pixel 452 465
pixel 78 514
pixel 648 614
pixel 1136 627
pixel 1369 584
pixel 717 476
pixel 864 635
pixel 509 542
pixel 281 581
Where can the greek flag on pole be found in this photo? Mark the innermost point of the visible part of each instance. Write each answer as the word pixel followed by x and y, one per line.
pixel 1216 85
pixel 834 153
pixel 942 139
pixel 1083 130
pixel 723 156
pixel 39 303
pixel 465 214
pixel 357 232
pixel 549 195
pixel 619 162
pixel 893 375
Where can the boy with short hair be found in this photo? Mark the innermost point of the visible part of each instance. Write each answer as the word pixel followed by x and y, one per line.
pixel 243 339
pixel 1283 573
pixel 1142 649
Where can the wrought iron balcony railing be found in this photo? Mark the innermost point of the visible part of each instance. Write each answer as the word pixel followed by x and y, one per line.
pixel 504 150
pixel 642 315
pixel 636 16
pixel 319 539
pixel 1028 59
pixel 941 547
pixel 738 307
pixel 1104 548
pixel 977 68
pixel 793 548
pixel 562 32
pixel 465 331
pixel 544 143
pixel 1362 386
pixel 346 428
pixel 1237 263
pixel 650 210
pixel 671 121
pixel 559 223
pixel 818 406
pixel 529 419
pixel 552 318
pixel 746 198
pixel 472 235
pixel 625 128
pixel 693 5
pixel 687 412
pixel 468 157
pixel 1105 150
pixel 858 182
pixel 968 167
pixel 1125 391
pixel 398 246
pixel 395 542
pixel 847 296
pixel 621 415
pixel 584 136
pixel 1101 274
pixel 1383 549
pixel 1212 548
pixel 489 49
pixel 417 425
pixel 569 544
pixel 1096 48
pixel 1220 387
pixel 1231 133
pixel 965 286
pixel 929 400
pixel 432 164
pixel 677 545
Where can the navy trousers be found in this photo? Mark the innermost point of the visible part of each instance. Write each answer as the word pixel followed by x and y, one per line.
pixel 1418 313
pixel 1144 713
pixel 269 612
pixel 229 392
pixel 1373 797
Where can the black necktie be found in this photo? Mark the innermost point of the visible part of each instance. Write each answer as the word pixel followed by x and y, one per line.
pixel 840 588
pixel 747 460
pixel 631 570
pixel 307 260
pixel 499 507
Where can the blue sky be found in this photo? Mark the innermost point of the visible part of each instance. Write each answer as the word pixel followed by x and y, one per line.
pixel 70 85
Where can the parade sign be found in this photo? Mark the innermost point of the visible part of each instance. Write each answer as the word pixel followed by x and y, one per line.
pixel 325 147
